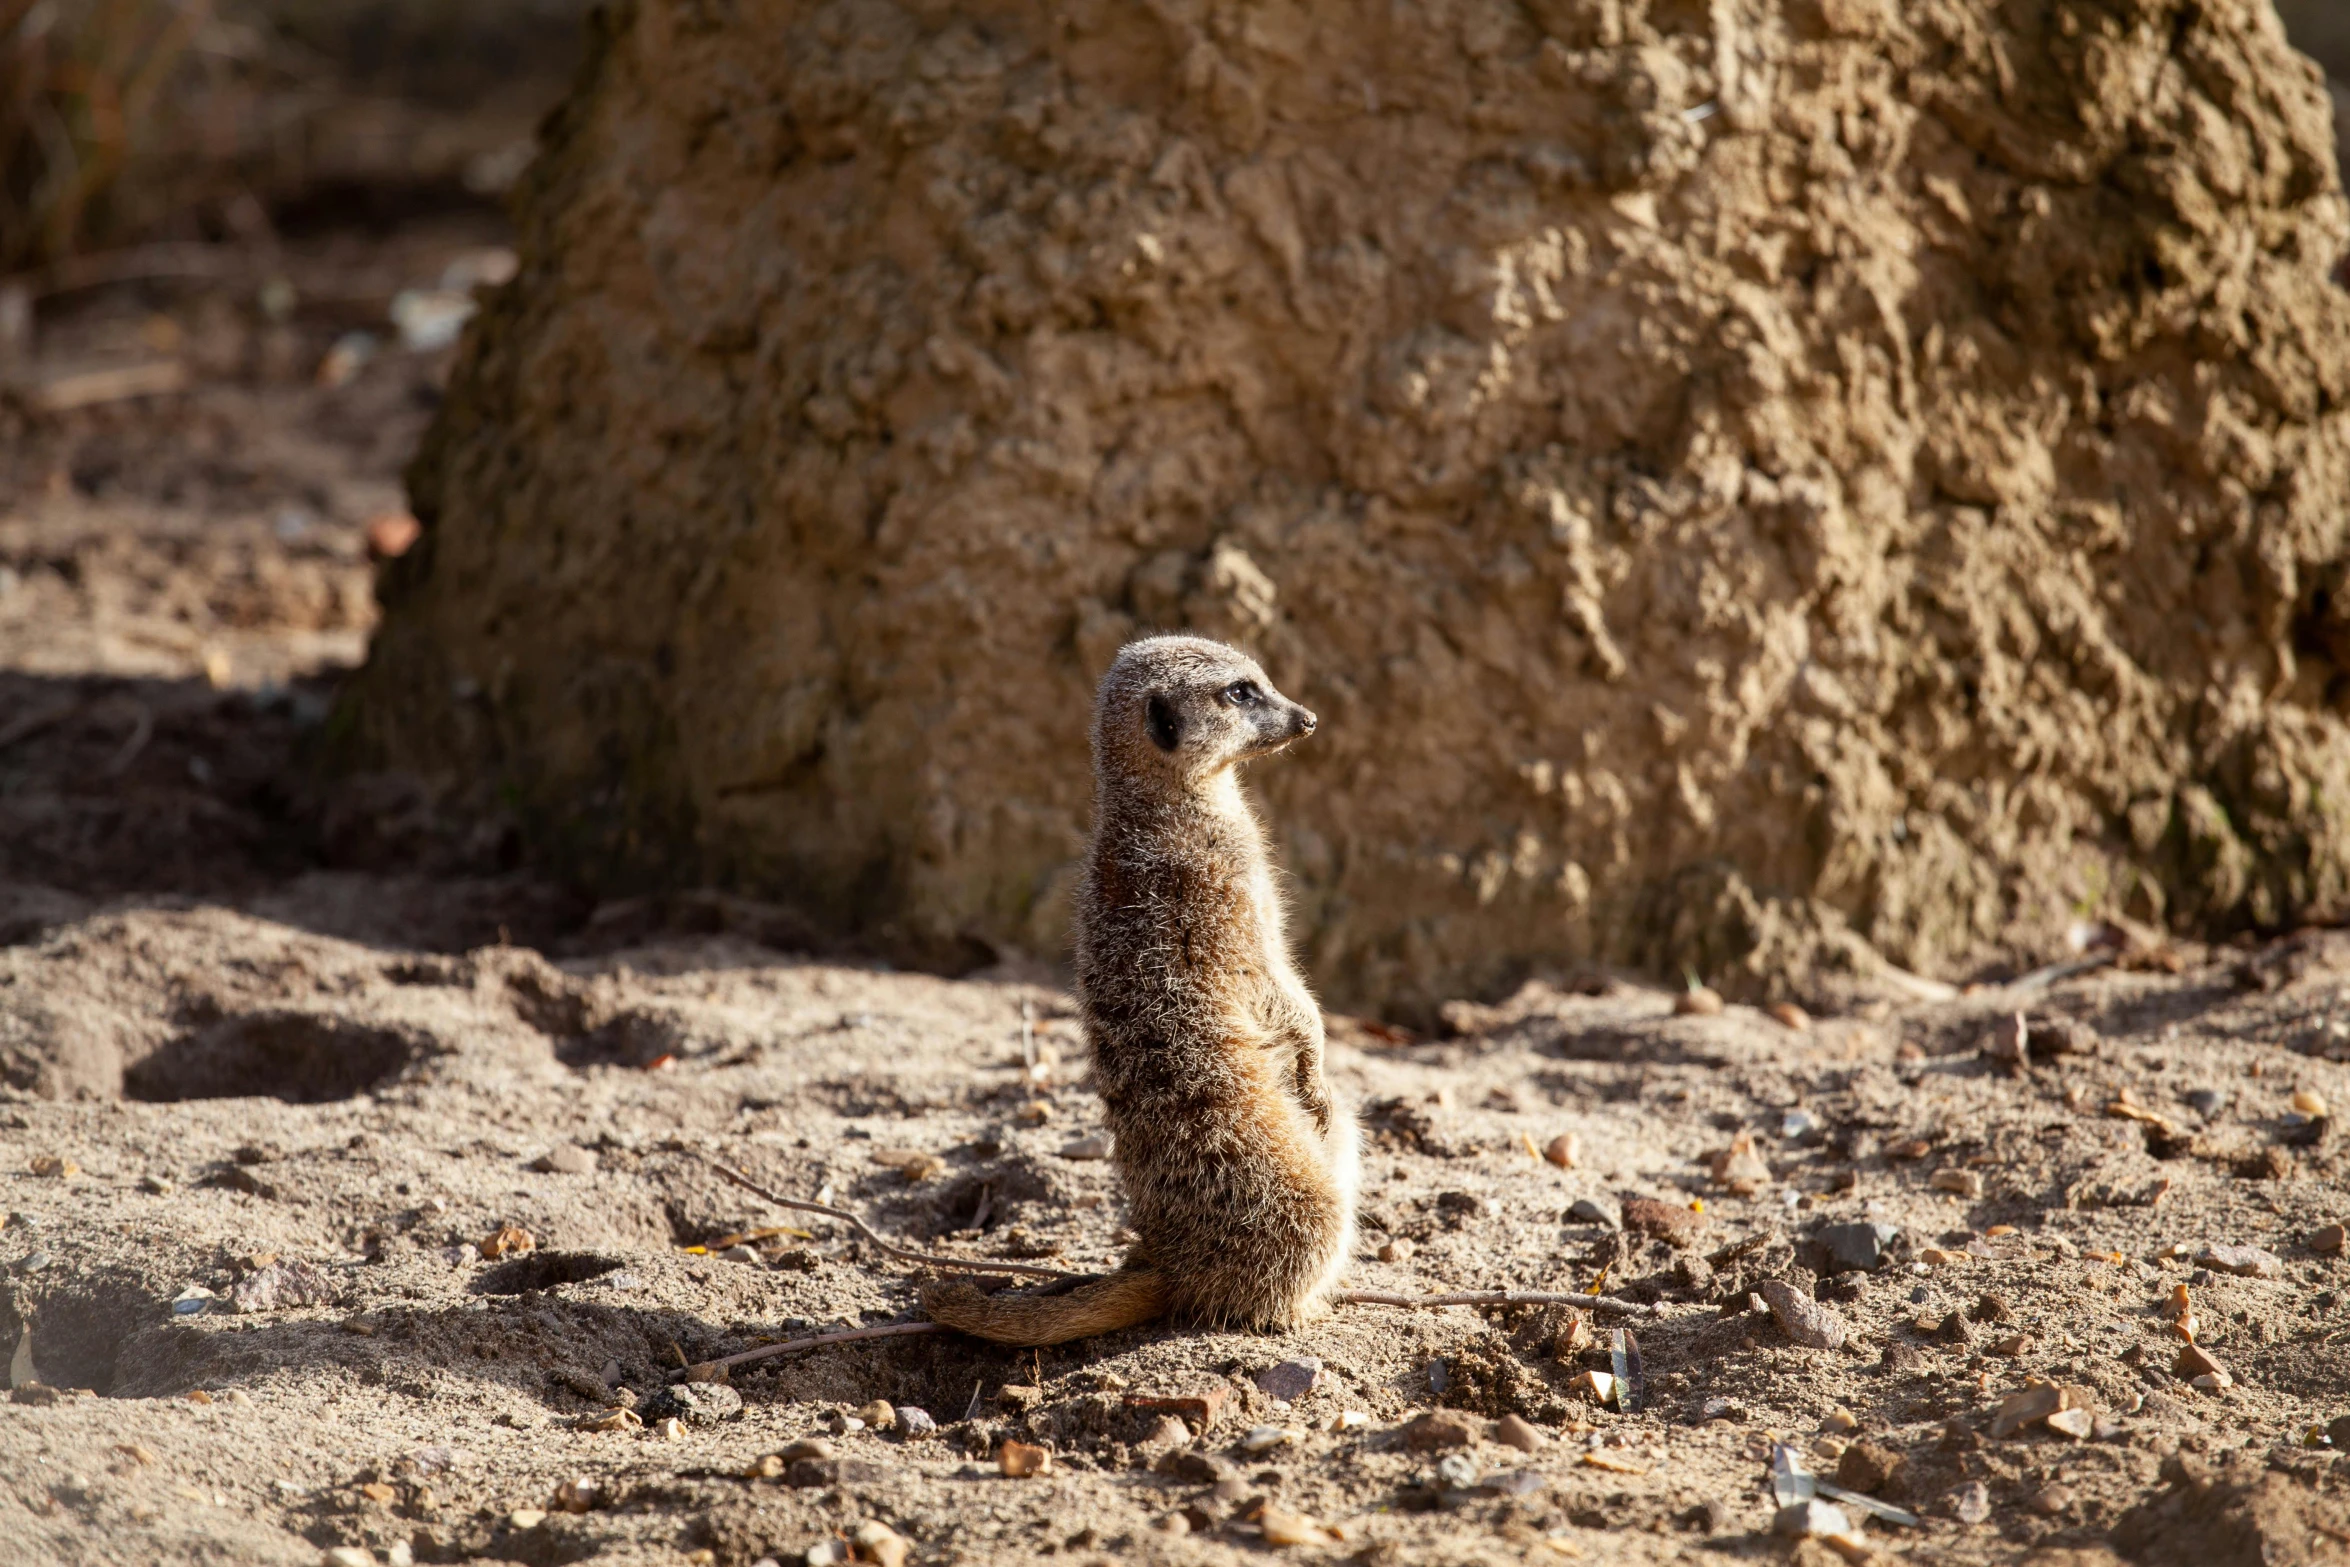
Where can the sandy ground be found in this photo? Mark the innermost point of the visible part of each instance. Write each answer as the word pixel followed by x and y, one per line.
pixel 280 1060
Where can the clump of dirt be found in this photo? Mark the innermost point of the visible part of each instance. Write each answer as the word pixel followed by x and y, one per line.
pixel 1753 489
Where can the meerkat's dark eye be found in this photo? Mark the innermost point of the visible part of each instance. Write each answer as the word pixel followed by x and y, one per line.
pixel 1243 693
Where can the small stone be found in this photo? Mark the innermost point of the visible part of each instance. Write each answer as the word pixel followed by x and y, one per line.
pixel 1169 1434
pixel 805 1447
pixel 347 1556
pixel 915 1423
pixel 510 1240
pixel 610 1420
pixel 2329 1241
pixel 827 1553
pixel 2051 1499
pixel 574 1496
pixel 1291 1379
pixel 1960 1183
pixel 2207 1102
pixel 1857 1248
pixel 1282 1527
pixel 1669 1222
pixel 878 1415
pixel 1564 1150
pixel 1971 1502
pixel 1457 1471
pixel 1599 1385
pixel 1034 1113
pixel 1019 1460
pixel 1812 1520
pixel 565 1159
pixel 2249 1262
pixel 54 1167
pixel 1738 1169
pixel 769 1466
pixel 1788 1015
pixel 523 1518
pixel 2009 1039
pixel 1438 1428
pixel 1174 1524
pixel 2195 1361
pixel 1194 1468
pixel 1263 1439
pixel 1096 1146
pixel 695 1403
pixel 2075 1423
pixel 669 1429
pixel 737 1253
pixel 2310 1103
pixel 279 1285
pixel 1197 1410
pixel 2035 1402
pixel 1351 1420
pixel 1697 1001
pixel 2013 1345
pixel 1718 1408
pixel 1518 1432
pixel 877 1542
pixel 1590 1210
pixel 1396 1249
pixel 1805 1321
pixel 1868 1466
pixel 1798 1126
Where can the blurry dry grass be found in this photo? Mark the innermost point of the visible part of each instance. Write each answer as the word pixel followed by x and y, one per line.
pixel 81 86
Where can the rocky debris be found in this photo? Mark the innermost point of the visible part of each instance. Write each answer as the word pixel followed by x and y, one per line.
pixel 1698 1001
pixel 1959 1183
pixel 1806 1322
pixel 1197 1410
pixel 2035 1402
pixel 1971 1502
pixel 565 1159
pixel 1591 1210
pixel 2250 1262
pixel 1671 1223
pixel 1396 1248
pixel 509 1240
pixel 1813 1519
pixel 1434 1429
pixel 878 1543
pixel 1518 1432
pixel 1860 1247
pixel 1195 1468
pixel 1564 1150
pixel 2200 1368
pixel 283 1285
pixel 1261 1440
pixel 1290 1379
pixel 1869 1466
pixel 698 1404
pixel 2329 1240
pixel 1282 1527
pixel 878 1415
pixel 1739 1169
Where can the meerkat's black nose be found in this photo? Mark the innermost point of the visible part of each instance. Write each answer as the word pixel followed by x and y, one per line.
pixel 1306 720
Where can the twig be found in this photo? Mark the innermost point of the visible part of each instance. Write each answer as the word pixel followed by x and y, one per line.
pixel 1496 1298
pixel 142 730
pixel 903 1253
pixel 851 1336
pixel 35 721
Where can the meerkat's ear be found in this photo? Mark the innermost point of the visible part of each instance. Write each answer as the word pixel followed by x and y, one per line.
pixel 1166 729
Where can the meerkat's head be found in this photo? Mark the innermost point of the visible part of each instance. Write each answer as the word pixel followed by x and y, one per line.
pixel 1186 709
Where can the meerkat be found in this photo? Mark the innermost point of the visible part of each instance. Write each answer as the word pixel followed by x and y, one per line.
pixel 1240 1165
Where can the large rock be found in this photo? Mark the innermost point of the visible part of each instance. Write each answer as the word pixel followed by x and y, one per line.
pixel 1746 484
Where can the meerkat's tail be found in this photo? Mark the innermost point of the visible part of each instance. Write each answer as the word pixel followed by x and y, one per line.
pixel 1103 1305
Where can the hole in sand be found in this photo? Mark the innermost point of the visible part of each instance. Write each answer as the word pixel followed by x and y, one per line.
pixel 292 1056
pixel 543 1270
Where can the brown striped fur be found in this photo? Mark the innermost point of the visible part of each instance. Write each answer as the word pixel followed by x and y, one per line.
pixel 1239 1164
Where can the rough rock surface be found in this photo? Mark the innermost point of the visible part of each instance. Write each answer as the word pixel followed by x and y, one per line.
pixel 1748 485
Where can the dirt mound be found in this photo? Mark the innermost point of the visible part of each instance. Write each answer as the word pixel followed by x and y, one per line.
pixel 1748 485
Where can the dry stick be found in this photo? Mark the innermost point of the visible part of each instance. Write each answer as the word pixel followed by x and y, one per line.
pixel 903 1253
pixel 1496 1298
pixel 851 1336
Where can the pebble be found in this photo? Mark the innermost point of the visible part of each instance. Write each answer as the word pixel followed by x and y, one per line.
pixel 1798 1126
pixel 347 1556
pixel 1669 1222
pixel 827 1553
pixel 1291 1379
pixel 915 1423
pixel 805 1447
pixel 54 1166
pixel 1739 1170
pixel 1813 1519
pixel 1438 1428
pixel 1397 1249
pixel 1019 1460
pixel 1282 1527
pixel 2250 1262
pixel 696 1403
pixel 1788 1015
pixel 2009 1039
pixel 2310 1103
pixel 1096 1146
pixel 1173 1523
pixel 1591 1210
pixel 1858 1247
pixel 2052 1499
pixel 1564 1150
pixel 1518 1432
pixel 1351 1420
pixel 738 1253
pixel 2329 1241
pixel 1697 1001
pixel 565 1159
pixel 1868 1466
pixel 1168 1434
pixel 670 1429
pixel 1263 1439
pixel 188 1302
pixel 1804 1320
pixel 2208 1102
pixel 1458 1471
pixel 878 1542
pixel 526 1518
pixel 1961 1183
pixel 2075 1423
pixel 574 1496
pixel 1971 1502
pixel 2197 1364
pixel 510 1240
pixel 281 1284
pixel 878 1415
